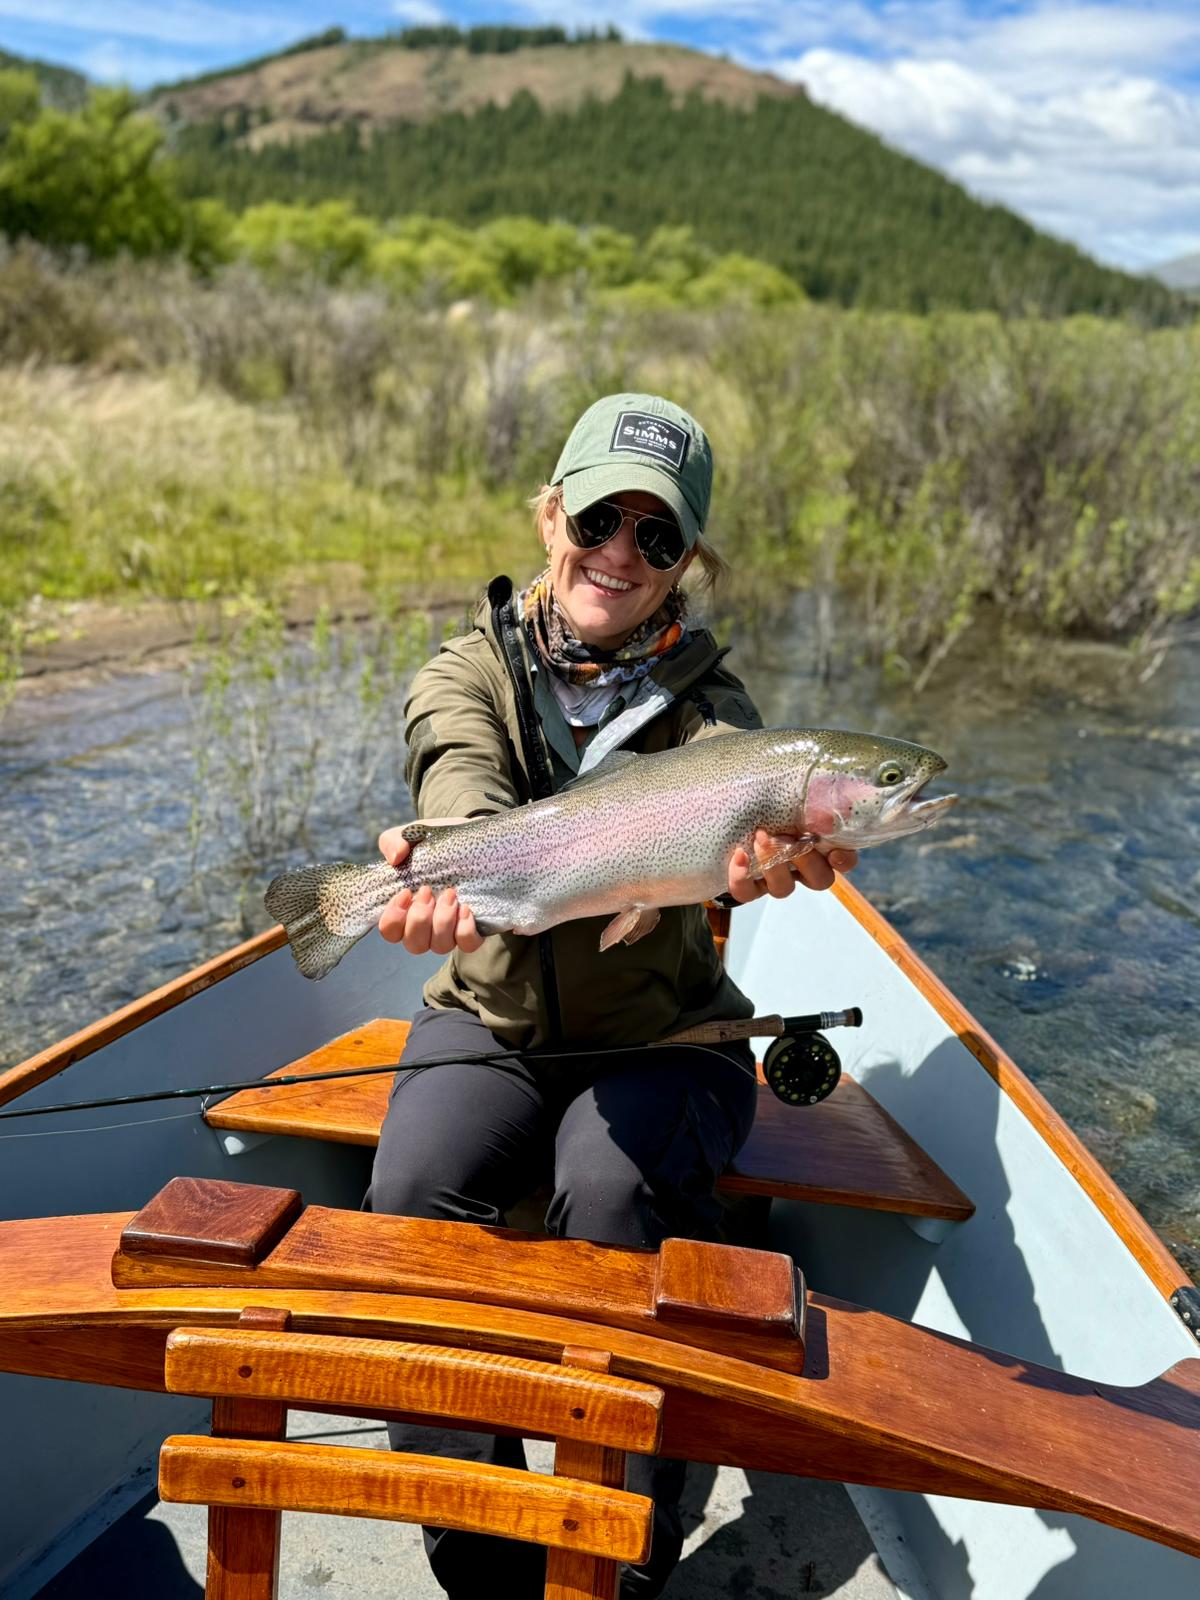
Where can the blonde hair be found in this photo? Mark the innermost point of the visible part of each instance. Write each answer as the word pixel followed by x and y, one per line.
pixel 714 567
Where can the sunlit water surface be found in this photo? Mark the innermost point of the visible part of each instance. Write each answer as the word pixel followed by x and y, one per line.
pixel 1060 900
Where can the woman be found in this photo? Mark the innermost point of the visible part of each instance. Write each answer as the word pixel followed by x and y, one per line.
pixel 595 655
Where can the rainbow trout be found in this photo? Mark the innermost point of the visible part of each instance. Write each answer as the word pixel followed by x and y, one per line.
pixel 639 832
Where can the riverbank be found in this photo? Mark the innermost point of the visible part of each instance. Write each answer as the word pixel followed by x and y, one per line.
pixel 71 643
pixel 183 440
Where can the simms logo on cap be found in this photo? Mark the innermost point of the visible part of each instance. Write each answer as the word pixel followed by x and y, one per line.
pixel 650 436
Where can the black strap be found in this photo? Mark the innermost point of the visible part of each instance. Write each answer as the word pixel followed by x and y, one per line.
pixel 537 764
pixel 703 705
pixel 541 781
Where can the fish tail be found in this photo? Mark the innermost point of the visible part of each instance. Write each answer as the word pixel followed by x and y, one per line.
pixel 325 910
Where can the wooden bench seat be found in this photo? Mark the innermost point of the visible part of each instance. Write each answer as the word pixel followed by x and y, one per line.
pixel 845 1151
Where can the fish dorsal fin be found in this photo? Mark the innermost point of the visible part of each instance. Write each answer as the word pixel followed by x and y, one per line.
pixel 618 761
pixel 414 832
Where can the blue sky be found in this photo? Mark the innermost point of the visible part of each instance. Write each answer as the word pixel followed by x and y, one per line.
pixel 1083 115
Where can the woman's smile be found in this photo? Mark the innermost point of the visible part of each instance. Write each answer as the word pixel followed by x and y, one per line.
pixel 607 582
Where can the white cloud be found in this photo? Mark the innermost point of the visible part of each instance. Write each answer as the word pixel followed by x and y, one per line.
pixel 1070 116
pixel 418 13
pixel 181 22
pixel 111 61
pixel 1095 36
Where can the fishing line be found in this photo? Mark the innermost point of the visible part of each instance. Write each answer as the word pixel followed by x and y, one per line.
pixel 102 1127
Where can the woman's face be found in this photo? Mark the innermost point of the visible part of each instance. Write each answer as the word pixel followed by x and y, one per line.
pixel 605 593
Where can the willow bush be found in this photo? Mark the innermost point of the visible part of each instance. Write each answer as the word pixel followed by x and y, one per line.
pixel 169 434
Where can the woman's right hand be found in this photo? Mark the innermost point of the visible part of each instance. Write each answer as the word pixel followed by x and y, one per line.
pixel 424 921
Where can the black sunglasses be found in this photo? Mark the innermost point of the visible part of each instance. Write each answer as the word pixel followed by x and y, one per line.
pixel 660 539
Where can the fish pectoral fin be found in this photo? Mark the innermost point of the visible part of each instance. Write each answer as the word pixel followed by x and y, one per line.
pixel 630 925
pixel 803 844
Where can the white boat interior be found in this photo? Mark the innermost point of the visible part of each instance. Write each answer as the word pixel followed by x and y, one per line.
pixel 1052 1268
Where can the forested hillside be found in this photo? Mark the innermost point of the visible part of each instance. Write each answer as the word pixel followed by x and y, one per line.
pixel 781 179
pixel 59 86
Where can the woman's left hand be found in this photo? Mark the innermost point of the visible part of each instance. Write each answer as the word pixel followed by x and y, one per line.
pixel 813 869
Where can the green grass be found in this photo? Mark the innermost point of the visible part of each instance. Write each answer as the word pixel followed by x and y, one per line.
pixel 126 486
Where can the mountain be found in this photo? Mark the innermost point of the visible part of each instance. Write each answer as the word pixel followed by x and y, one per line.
pixel 331 81
pixel 1181 273
pixel 60 85
pixel 631 135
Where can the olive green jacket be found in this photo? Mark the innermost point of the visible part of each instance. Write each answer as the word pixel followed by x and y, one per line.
pixel 482 737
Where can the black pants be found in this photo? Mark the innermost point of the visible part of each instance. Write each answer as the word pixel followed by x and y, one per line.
pixel 633 1144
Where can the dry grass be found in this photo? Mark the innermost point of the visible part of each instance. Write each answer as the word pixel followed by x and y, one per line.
pixel 160 435
pixel 117 484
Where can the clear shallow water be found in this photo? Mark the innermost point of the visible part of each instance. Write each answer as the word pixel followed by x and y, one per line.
pixel 1060 900
pixel 137 830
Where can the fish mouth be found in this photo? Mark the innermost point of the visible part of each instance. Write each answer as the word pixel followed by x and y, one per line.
pixel 929 811
pixel 908 812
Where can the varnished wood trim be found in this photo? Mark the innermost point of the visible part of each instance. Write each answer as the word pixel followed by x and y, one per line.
pixel 534 1397
pixel 343 1480
pixel 1148 1250
pixel 28 1074
pixel 973 1422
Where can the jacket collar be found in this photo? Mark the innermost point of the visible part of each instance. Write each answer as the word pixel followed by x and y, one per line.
pixel 696 655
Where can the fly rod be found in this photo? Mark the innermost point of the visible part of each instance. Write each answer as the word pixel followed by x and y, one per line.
pixel 797 1064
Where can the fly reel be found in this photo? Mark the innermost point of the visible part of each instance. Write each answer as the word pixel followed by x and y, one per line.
pixel 802 1069
pixel 801 1066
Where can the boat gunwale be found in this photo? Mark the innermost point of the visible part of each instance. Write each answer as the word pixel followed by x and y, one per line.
pixel 56 1058
pixel 1147 1249
pixel 1126 1221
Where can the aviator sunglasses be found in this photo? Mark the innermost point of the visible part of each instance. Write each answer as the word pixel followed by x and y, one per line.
pixel 659 539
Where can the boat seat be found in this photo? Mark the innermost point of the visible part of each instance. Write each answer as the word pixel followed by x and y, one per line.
pixel 845 1151
pixel 248 1473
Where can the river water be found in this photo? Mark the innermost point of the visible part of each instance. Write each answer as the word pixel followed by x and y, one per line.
pixel 1060 900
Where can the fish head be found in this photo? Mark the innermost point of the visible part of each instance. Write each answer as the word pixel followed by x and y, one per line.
pixel 859 789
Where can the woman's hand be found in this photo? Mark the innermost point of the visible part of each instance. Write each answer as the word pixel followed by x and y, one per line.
pixel 424 921
pixel 813 869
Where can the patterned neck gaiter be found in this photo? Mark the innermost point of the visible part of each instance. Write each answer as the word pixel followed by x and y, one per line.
pixel 587 665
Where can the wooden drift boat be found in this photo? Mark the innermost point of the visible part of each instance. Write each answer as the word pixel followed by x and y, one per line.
pixel 958 1312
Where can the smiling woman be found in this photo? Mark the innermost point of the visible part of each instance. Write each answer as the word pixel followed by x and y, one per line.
pixel 596 655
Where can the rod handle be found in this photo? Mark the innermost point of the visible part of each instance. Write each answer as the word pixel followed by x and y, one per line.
pixel 724 1032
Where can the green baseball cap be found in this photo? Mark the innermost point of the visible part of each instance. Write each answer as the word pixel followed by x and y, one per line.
pixel 638 441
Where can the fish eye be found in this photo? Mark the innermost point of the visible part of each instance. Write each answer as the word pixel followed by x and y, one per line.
pixel 889 774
